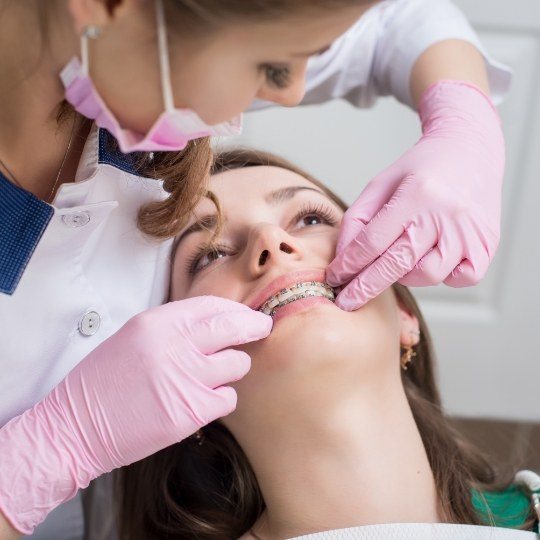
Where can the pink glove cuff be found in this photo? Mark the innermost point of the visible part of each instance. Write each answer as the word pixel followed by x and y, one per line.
pixel 463 110
pixel 458 89
pixel 33 445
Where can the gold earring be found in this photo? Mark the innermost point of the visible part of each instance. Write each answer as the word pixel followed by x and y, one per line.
pixel 407 356
pixel 410 353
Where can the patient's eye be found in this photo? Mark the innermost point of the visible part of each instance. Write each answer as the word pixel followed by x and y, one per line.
pixel 310 215
pixel 312 219
pixel 205 256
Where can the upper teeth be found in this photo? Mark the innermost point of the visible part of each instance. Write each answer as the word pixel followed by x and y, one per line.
pixel 296 292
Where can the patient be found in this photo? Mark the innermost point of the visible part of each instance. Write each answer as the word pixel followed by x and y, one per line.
pixel 338 422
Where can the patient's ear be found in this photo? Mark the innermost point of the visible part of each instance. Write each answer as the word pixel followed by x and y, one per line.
pixel 409 328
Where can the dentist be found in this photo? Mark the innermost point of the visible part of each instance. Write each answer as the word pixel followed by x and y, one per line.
pixel 100 97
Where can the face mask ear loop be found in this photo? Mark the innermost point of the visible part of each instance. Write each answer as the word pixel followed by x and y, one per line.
pixel 91 31
pixel 84 53
pixel 164 65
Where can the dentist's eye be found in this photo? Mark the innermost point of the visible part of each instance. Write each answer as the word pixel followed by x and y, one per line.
pixel 204 257
pixel 278 76
pixel 311 215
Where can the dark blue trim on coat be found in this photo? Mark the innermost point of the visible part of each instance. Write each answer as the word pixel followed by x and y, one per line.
pixel 110 154
pixel 23 220
pixel 24 217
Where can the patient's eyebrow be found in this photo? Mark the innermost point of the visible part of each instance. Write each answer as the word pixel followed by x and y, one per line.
pixel 206 223
pixel 284 194
pixel 209 222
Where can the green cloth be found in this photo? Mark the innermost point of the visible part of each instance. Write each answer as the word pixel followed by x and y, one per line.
pixel 510 508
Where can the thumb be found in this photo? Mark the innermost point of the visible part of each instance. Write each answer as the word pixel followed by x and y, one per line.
pixel 224 330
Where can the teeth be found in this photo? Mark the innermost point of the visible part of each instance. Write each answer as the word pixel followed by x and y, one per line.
pixel 298 291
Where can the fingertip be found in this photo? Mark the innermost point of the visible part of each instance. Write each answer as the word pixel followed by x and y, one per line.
pixel 346 303
pixel 409 280
pixel 229 399
pixel 244 361
pixel 258 325
pixel 334 274
pixel 331 278
pixel 266 321
pixel 463 275
pixel 263 317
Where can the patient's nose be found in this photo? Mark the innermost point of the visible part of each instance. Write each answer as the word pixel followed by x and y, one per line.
pixel 265 255
pixel 271 245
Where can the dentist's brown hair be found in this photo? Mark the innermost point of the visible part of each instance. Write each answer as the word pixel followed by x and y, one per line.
pixel 210 492
pixel 197 15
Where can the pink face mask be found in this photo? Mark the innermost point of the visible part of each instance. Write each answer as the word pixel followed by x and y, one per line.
pixel 174 127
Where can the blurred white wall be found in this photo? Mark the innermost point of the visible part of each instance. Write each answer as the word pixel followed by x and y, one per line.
pixel 487 337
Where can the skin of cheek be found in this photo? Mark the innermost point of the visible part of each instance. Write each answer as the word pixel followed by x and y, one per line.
pixel 194 84
pixel 124 68
pixel 323 352
pixel 217 281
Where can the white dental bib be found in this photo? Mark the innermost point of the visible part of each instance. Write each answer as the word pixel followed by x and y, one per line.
pixel 421 531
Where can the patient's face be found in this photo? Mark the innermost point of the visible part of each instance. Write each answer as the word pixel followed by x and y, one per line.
pixel 279 229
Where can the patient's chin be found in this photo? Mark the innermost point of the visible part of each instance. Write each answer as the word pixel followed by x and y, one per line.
pixel 315 334
pixel 325 341
pixel 322 354
pixel 317 337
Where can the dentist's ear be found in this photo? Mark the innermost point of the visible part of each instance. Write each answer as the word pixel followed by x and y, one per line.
pixel 97 12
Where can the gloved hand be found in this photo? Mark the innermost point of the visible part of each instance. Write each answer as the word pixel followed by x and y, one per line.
pixel 434 215
pixel 153 383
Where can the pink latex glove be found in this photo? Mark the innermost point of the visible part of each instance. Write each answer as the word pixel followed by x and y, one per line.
pixel 434 215
pixel 153 383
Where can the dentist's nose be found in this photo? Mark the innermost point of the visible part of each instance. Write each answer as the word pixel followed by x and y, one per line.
pixel 270 245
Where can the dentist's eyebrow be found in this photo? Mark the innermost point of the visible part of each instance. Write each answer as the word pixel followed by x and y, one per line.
pixel 284 194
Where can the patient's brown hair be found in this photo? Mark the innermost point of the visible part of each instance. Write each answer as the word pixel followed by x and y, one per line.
pixel 209 491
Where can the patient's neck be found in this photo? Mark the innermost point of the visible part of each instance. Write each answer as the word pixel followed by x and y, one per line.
pixel 342 461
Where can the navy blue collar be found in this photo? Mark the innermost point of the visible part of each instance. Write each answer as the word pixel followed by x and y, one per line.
pixel 23 220
pixel 110 154
pixel 24 217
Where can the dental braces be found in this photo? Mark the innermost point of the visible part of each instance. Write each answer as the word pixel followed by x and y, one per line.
pixel 321 289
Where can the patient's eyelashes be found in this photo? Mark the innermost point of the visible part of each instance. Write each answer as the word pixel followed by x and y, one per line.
pixel 315 214
pixel 205 256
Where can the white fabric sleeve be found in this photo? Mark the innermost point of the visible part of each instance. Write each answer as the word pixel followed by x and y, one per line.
pixel 376 55
pixel 408 28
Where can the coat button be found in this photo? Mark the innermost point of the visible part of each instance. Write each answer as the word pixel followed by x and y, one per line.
pixel 76 219
pixel 89 324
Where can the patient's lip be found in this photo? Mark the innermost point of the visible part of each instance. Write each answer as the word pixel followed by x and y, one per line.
pixel 283 281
